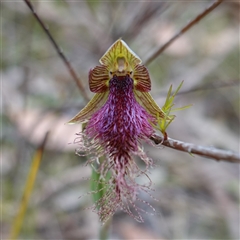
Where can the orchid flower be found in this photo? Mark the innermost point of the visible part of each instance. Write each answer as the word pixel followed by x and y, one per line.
pixel 120 116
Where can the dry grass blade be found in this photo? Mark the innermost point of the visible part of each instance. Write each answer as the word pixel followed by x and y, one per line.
pixel 17 224
pixel 59 51
pixel 183 30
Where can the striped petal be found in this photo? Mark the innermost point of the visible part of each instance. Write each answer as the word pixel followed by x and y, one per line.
pixel 98 79
pixel 117 50
pixel 145 99
pixel 141 79
pixel 95 103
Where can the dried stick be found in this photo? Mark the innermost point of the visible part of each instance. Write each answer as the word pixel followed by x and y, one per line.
pixel 207 152
pixel 59 51
pixel 183 30
pixel 212 86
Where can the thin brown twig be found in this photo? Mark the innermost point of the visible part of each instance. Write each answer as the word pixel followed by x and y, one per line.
pixel 212 86
pixel 206 87
pixel 59 51
pixel 207 152
pixel 183 30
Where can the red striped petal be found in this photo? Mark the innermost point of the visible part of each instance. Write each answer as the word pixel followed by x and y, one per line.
pixel 98 79
pixel 141 79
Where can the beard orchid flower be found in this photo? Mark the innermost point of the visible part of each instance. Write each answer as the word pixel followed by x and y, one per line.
pixel 120 116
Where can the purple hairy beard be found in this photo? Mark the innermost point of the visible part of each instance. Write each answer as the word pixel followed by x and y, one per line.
pixel 121 122
pixel 118 128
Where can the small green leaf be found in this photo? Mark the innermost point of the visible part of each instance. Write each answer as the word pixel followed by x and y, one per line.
pixel 167 108
pixel 181 108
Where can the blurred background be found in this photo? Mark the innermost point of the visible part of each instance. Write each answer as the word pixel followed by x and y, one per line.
pixel 198 198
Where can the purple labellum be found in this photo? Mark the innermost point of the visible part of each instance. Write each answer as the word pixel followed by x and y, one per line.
pixel 121 122
pixel 118 127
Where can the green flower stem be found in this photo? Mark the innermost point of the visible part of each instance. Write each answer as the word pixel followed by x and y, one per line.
pixel 104 231
pixel 97 186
